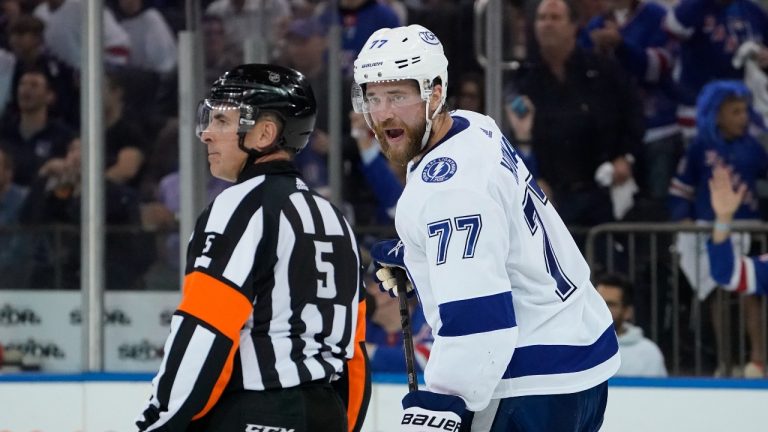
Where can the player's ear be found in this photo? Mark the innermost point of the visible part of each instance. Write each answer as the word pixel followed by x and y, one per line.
pixel 436 96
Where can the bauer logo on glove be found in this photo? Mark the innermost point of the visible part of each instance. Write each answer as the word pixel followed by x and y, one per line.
pixel 387 256
pixel 427 412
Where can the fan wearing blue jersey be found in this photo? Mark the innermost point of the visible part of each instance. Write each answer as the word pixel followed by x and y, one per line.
pixel 711 32
pixel 629 31
pixel 724 112
pixel 522 340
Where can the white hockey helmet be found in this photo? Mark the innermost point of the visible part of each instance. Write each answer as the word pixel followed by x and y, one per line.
pixel 402 53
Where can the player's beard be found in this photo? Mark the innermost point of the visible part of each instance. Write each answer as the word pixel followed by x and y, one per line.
pixel 412 146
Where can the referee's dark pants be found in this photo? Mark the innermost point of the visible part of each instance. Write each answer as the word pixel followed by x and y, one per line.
pixel 311 407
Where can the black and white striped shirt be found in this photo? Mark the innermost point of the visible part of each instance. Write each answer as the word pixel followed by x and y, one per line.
pixel 270 297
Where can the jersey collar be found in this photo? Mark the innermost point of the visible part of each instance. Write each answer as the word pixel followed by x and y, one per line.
pixel 459 124
pixel 283 167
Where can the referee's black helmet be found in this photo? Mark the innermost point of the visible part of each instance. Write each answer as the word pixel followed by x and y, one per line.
pixel 257 88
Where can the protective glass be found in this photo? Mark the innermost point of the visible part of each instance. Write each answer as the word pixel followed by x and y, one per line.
pixel 393 98
pixel 215 116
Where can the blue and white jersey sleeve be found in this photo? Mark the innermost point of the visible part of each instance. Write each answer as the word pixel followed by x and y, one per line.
pixel 458 246
pixel 735 272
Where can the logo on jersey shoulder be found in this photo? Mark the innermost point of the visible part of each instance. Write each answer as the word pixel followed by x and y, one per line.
pixel 429 37
pixel 300 185
pixel 439 170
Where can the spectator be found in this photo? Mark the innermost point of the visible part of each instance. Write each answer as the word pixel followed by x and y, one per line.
pixel 9 11
pixel 260 20
pixel 221 53
pixel 32 135
pixel 64 33
pixel 54 198
pixel 125 140
pixel 305 43
pixel 11 195
pixel 629 32
pixel 26 42
pixel 711 32
pixel 471 92
pixel 384 335
pixel 153 46
pixel 639 355
pixel 723 113
pixel 12 246
pixel 599 125
pixel 358 20
pixel 305 51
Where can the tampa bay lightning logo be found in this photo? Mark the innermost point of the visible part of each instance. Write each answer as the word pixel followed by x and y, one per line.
pixel 429 37
pixel 439 170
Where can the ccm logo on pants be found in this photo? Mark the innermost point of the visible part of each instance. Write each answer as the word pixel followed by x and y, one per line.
pixel 434 422
pixel 260 428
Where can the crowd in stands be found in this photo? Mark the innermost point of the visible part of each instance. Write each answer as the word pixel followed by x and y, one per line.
pixel 620 107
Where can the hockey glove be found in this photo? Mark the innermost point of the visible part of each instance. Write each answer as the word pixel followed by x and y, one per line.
pixel 388 254
pixel 431 412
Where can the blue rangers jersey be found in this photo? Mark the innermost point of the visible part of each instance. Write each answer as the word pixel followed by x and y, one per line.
pixel 689 189
pixel 735 272
pixel 648 55
pixel 748 160
pixel 712 31
pixel 501 281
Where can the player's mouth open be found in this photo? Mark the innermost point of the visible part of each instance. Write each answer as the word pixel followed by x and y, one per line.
pixel 394 133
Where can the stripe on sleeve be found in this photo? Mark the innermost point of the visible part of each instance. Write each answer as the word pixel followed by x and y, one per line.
pixel 477 315
pixel 215 303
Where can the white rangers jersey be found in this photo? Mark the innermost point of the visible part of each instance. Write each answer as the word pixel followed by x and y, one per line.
pixel 502 283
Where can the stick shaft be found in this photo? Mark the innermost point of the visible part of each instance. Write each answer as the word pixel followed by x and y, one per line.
pixel 405 323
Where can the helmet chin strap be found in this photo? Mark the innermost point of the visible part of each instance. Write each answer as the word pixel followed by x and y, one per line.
pixel 428 129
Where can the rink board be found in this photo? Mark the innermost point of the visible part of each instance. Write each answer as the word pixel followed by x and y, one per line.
pixel 110 402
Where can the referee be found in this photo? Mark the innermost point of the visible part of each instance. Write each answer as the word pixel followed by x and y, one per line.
pixel 271 311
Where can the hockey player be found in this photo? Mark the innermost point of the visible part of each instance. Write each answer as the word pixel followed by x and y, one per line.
pixel 523 341
pixel 269 316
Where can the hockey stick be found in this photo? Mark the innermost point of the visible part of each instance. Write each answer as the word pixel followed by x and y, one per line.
pixel 405 323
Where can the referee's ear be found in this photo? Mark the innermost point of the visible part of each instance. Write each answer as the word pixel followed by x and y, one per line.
pixel 264 133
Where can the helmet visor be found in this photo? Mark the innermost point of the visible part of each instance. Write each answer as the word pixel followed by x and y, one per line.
pixel 217 116
pixel 397 96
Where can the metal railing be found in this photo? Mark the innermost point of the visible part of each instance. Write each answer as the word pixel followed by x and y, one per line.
pixel 647 254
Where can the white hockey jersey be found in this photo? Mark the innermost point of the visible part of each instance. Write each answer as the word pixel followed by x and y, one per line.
pixel 502 283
